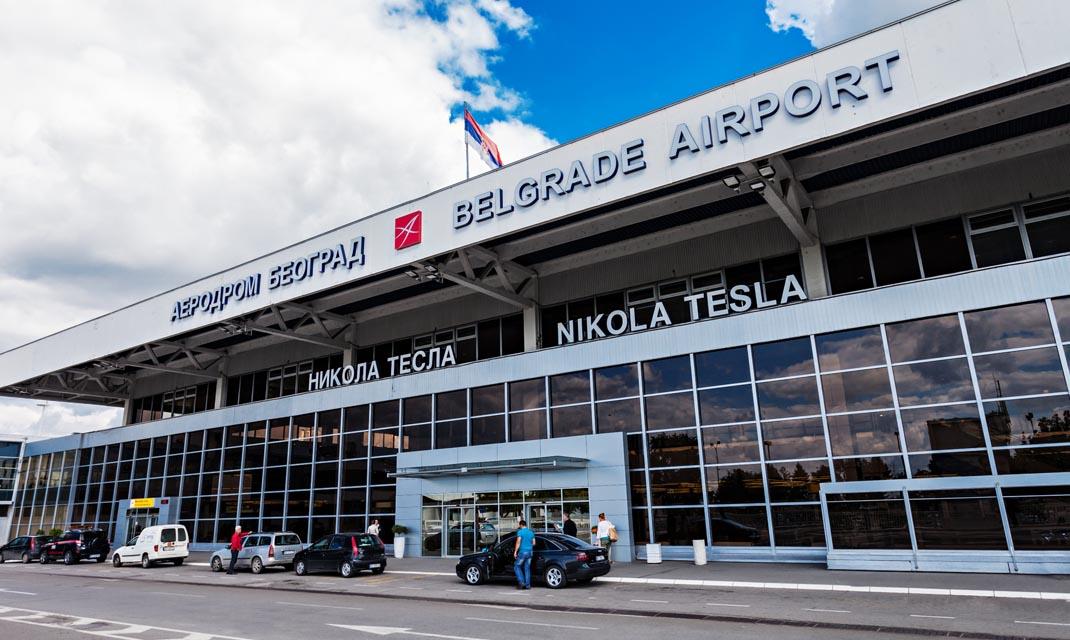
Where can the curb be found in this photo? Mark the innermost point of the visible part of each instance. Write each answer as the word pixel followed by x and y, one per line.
pixel 640 613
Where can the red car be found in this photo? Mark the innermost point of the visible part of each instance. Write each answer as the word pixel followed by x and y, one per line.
pixel 77 545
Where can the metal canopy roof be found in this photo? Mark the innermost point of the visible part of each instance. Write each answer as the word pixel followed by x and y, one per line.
pixel 491 466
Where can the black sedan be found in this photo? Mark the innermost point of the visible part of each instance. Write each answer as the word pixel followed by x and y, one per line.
pixel 558 560
pixel 343 553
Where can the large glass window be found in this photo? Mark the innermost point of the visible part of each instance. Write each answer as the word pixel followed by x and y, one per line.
pixel 1039 517
pixel 933 382
pixel 1048 226
pixel 952 427
pixel 996 238
pixel 924 339
pixel 783 359
pixel 1029 421
pixel 868 521
pixel 863 433
pixel 739 527
pixel 726 366
pixel 1022 325
pixel 726 404
pixel 673 448
pixel 964 519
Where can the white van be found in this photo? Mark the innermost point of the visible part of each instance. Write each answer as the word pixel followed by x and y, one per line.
pixel 165 542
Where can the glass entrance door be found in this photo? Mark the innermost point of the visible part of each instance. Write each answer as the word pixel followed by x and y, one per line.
pixel 545 517
pixel 460 528
pixel 138 519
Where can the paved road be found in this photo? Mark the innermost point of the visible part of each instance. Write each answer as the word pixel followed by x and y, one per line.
pixel 280 605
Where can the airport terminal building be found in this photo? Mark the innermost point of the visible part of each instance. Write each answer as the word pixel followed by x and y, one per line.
pixel 818 314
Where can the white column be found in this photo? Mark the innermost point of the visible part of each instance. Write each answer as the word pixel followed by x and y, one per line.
pixel 531 328
pixel 128 411
pixel 349 354
pixel 814 272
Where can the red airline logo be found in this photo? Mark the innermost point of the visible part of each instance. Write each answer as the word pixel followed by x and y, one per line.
pixel 408 229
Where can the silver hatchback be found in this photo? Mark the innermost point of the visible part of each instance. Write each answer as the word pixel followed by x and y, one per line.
pixel 261 550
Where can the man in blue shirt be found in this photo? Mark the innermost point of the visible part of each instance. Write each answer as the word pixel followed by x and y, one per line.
pixel 525 546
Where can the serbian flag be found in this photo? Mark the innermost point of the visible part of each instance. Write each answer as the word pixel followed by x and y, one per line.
pixel 478 140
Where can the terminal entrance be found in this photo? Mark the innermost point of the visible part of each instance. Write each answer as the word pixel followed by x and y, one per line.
pixel 457 524
pixel 138 519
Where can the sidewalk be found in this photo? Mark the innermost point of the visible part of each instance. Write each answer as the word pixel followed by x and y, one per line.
pixel 813 577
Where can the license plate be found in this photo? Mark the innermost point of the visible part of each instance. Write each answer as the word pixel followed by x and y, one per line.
pixel 287 553
pixel 373 566
pixel 598 557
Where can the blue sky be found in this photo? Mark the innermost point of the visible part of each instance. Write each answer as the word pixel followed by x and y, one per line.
pixel 589 65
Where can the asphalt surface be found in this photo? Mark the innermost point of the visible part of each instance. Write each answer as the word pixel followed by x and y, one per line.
pixel 39 601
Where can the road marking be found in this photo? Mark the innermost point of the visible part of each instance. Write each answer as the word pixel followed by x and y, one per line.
pixel 726 604
pixel 412 588
pixel 386 631
pixel 425 573
pixel 326 583
pixel 180 595
pixel 918 615
pixel 1054 624
pixel 53 620
pixel 653 601
pixel 535 624
pixel 20 593
pixel 460 590
pixel 322 606
pixel 827 610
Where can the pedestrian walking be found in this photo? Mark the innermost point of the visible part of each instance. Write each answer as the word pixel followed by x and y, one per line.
pixel 522 551
pixel 235 546
pixel 607 535
pixel 568 526
pixel 374 528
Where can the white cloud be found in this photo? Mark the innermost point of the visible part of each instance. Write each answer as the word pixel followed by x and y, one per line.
pixel 826 22
pixel 41 420
pixel 144 145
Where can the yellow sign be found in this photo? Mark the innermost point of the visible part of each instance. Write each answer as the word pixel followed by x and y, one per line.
pixel 142 503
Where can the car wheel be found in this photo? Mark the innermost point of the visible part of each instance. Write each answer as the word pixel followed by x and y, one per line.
pixel 217 564
pixel 68 557
pixel 554 577
pixel 179 561
pixel 257 566
pixel 26 558
pixel 145 562
pixel 300 568
pixel 102 557
pixel 347 570
pixel 44 559
pixel 116 561
pixel 473 575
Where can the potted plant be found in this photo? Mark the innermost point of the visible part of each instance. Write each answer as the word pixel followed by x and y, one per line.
pixel 399 539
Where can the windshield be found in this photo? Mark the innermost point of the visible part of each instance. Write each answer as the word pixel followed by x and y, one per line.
pixel 287 539
pixel 365 540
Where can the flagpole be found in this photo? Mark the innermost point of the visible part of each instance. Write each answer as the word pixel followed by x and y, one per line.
pixel 464 139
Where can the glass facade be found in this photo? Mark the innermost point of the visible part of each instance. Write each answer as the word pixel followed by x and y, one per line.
pixel 731 446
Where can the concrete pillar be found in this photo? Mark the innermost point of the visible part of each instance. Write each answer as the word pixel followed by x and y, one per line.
pixel 221 385
pixel 128 411
pixel 531 328
pixel 813 266
pixel 349 354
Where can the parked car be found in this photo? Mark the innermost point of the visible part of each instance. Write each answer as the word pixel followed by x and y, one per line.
pixel 77 545
pixel 260 551
pixel 25 548
pixel 557 560
pixel 345 553
pixel 165 542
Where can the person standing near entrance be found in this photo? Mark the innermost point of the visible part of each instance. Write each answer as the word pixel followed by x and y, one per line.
pixel 235 547
pixel 568 526
pixel 374 529
pixel 522 552
pixel 607 535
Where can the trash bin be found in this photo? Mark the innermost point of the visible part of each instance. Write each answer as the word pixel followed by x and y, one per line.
pixel 700 551
pixel 653 553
